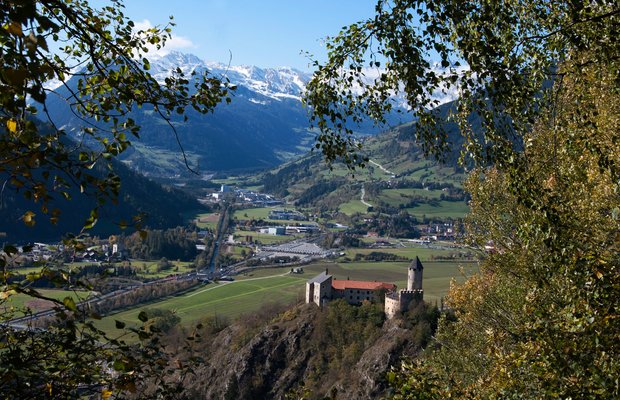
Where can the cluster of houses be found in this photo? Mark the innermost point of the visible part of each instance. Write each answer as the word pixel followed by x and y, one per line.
pixel 323 288
pixel 437 231
pixel 44 252
pixel 249 197
pixel 287 215
pixel 40 251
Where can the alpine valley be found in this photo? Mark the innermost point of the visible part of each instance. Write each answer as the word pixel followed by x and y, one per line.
pixel 264 125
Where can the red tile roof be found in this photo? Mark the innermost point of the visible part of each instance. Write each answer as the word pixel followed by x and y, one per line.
pixel 365 285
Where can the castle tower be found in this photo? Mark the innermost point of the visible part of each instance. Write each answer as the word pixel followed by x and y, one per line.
pixel 414 275
pixel 400 302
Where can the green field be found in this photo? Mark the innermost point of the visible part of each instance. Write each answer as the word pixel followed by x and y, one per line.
pixel 262 286
pixel 253 213
pixel 352 207
pixel 444 209
pixel 263 213
pixel 148 269
pixel 206 220
pixel 228 299
pixel 395 197
pixel 424 253
pixel 20 301
pixel 25 270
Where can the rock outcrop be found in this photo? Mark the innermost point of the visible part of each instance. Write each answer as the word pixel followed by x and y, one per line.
pixel 288 355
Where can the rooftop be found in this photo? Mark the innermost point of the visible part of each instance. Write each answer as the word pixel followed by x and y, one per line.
pixel 365 285
pixel 416 264
pixel 320 278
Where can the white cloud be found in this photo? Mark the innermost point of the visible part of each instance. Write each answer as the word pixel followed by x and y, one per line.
pixel 173 43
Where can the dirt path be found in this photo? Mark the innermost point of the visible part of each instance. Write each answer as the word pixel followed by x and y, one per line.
pixel 387 171
pixel 362 194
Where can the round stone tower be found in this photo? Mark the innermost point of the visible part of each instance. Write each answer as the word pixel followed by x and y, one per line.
pixel 414 275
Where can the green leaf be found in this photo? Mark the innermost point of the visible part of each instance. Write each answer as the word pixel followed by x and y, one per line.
pixel 69 303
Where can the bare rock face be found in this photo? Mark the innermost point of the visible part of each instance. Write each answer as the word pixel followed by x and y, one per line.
pixel 284 356
pixel 368 379
pixel 266 365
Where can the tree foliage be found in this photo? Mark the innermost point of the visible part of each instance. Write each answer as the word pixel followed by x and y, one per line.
pixel 96 60
pixel 100 48
pixel 541 319
pixel 497 55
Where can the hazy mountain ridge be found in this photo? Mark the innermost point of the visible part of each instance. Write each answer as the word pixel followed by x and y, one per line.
pixel 264 125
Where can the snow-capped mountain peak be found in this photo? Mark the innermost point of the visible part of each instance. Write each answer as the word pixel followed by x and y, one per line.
pixel 273 83
pixel 265 84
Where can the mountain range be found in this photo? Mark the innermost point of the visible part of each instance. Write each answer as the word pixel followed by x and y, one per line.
pixel 264 125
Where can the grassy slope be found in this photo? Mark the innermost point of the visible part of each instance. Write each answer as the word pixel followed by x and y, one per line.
pixel 409 164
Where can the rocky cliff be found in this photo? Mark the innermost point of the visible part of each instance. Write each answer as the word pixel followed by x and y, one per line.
pixel 340 351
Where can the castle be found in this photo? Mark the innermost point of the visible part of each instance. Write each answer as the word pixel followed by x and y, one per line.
pixel 323 288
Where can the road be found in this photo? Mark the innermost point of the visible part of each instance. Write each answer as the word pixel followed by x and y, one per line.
pixel 387 171
pixel 221 230
pixel 362 194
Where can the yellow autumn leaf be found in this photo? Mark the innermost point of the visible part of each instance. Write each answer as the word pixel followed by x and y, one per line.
pixel 5 294
pixel 11 125
pixel 28 218
pixel 106 393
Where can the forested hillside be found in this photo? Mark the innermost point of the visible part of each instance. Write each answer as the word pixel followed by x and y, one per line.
pixel 156 207
pixel 398 176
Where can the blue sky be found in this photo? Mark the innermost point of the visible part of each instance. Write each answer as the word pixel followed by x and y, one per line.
pixel 265 33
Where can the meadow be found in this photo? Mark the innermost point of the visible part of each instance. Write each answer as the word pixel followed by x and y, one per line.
pixel 207 220
pixel 443 209
pixel 255 289
pixel 424 253
pixel 230 299
pixel 263 238
pixel 263 213
pixel 20 301
pixel 353 207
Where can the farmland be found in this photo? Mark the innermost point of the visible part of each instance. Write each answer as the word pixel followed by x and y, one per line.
pixel 21 301
pixel 261 287
pixel 424 253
